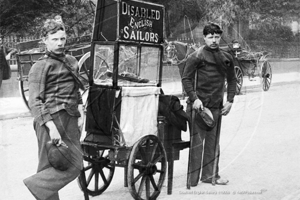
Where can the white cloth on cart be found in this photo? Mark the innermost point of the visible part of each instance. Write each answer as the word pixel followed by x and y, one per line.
pixel 139 110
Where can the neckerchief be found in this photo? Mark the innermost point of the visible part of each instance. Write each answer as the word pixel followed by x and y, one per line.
pixel 217 55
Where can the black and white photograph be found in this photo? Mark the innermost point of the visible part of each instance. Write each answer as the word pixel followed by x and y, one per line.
pixel 149 99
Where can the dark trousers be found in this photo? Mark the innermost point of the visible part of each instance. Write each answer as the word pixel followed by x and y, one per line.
pixel 45 184
pixel 203 149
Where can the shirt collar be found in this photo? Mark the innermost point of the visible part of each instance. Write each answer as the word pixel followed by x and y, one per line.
pixel 51 54
pixel 210 49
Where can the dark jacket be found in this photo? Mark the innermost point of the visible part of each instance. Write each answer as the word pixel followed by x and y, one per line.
pixel 212 66
pixel 170 107
pixel 52 88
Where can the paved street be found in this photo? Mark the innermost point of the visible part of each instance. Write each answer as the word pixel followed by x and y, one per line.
pixel 259 154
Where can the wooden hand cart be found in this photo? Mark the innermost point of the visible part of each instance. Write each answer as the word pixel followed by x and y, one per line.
pixel 123 128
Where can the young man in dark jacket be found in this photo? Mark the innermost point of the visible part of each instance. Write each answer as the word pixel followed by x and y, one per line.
pixel 210 66
pixel 56 106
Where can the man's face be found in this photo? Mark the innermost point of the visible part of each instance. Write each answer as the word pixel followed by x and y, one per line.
pixel 212 41
pixel 56 42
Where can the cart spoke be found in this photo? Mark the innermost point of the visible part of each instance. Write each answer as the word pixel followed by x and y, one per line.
pixel 154 151
pixel 140 190
pixel 90 176
pixel 96 180
pixel 143 154
pixel 147 188
pixel 158 159
pixel 87 167
pixel 160 171
pixel 147 149
pixel 83 73
pixel 103 176
pixel 82 77
pixel 101 153
pixel 153 183
pixel 138 177
pixel 109 167
pixel 138 165
pixel 85 70
pixel 267 83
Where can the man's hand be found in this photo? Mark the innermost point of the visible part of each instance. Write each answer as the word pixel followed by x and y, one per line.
pixel 53 133
pixel 226 108
pixel 198 104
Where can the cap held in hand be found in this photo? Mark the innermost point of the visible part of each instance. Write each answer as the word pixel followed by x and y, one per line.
pixel 207 118
pixel 59 156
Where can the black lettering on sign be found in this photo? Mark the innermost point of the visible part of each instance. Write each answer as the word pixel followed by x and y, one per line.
pixel 140 21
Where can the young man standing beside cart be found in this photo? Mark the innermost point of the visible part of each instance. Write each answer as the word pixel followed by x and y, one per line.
pixel 203 80
pixel 56 106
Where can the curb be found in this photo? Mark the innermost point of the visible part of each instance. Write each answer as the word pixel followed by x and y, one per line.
pixel 24 114
pixel 15 115
pixel 252 87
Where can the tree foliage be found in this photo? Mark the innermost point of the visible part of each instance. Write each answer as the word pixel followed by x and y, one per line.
pixel 25 17
pixel 277 8
pixel 78 17
pixel 20 15
pixel 276 35
pixel 259 12
pixel 181 15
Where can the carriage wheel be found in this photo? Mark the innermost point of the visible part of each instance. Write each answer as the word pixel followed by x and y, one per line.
pixel 266 75
pixel 239 79
pixel 100 67
pixel 24 90
pixel 99 172
pixel 146 168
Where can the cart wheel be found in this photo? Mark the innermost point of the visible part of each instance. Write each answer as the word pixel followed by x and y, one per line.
pixel 146 168
pixel 93 168
pixel 266 75
pixel 100 67
pixel 239 79
pixel 24 90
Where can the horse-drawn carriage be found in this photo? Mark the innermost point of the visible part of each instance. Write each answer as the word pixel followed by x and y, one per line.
pixel 127 123
pixel 251 64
